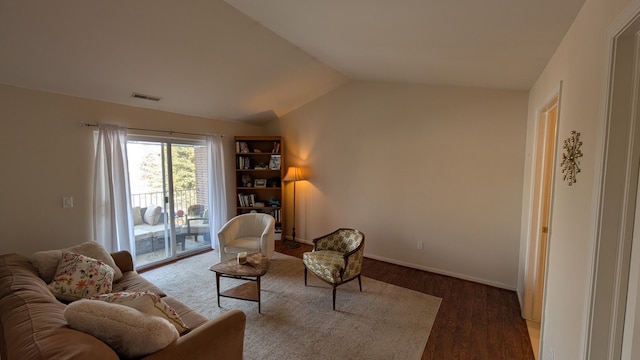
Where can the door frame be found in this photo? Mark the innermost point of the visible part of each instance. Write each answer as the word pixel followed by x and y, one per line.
pixel 168 188
pixel 615 189
pixel 544 168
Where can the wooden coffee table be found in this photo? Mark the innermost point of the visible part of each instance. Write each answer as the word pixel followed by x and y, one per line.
pixel 256 266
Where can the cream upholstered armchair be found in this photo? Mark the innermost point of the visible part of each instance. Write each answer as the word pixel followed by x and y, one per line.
pixel 254 232
pixel 336 258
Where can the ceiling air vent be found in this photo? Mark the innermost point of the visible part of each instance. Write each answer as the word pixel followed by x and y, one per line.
pixel 145 97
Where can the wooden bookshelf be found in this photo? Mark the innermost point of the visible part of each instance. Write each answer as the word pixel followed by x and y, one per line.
pixel 259 173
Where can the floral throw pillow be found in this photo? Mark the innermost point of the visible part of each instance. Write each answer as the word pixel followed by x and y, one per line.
pixel 148 303
pixel 79 276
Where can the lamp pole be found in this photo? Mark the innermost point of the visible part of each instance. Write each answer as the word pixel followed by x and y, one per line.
pixel 293 244
pixel 293 174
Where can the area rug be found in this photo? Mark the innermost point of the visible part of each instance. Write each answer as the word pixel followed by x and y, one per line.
pixel 297 322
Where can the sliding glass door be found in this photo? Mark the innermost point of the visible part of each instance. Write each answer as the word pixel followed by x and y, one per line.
pixel 169 196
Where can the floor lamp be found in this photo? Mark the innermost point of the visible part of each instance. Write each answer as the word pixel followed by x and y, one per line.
pixel 293 174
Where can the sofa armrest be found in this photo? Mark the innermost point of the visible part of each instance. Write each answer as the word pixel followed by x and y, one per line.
pixel 123 260
pixel 218 338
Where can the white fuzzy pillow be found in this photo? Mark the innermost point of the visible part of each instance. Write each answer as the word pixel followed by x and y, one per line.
pixel 148 303
pixel 129 332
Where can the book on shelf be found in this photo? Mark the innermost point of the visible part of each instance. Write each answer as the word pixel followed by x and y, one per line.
pixel 247 200
pixel 276 147
pixel 276 213
pixel 244 162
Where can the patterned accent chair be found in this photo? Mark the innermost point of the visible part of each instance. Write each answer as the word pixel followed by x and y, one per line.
pixel 336 258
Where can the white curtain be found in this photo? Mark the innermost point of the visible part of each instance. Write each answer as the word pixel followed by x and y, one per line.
pixel 111 194
pixel 217 187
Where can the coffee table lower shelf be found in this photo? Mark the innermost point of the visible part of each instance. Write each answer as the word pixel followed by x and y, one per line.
pixel 257 265
pixel 249 291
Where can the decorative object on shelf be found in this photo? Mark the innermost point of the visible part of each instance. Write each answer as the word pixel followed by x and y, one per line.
pixel 244 147
pixel 273 202
pixel 571 157
pixel 246 180
pixel 274 164
pixel 274 182
pixel 294 174
pixel 260 183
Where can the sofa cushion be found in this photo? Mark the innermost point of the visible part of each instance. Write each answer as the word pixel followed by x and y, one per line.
pixel 32 319
pixel 132 281
pixel 192 318
pixel 152 215
pixel 47 261
pixel 148 303
pixel 137 216
pixel 126 330
pixel 79 276
pixel 150 231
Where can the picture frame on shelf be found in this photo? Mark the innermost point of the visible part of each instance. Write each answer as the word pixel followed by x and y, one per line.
pixel 275 162
pixel 260 183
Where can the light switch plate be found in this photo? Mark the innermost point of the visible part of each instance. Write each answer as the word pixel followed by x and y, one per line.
pixel 67 202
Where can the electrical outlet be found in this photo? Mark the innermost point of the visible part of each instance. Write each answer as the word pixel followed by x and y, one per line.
pixel 551 355
pixel 420 245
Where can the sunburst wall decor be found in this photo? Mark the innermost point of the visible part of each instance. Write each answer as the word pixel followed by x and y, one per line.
pixel 571 157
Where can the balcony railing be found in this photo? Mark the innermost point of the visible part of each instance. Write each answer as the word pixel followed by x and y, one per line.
pixel 152 248
pixel 182 199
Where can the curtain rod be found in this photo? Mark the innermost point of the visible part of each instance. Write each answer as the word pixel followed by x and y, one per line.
pixel 154 130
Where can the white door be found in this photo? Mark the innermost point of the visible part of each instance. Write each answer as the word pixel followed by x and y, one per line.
pixel 541 211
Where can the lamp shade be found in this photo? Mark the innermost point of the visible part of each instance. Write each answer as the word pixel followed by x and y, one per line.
pixel 294 174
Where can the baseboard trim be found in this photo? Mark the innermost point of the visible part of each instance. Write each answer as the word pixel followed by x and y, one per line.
pixel 426 268
pixel 443 272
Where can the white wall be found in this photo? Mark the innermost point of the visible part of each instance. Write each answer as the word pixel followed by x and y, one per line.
pixel 579 63
pixel 46 154
pixel 409 163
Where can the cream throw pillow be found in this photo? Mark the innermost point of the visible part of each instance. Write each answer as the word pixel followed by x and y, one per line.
pixel 47 261
pixel 129 332
pixel 79 276
pixel 152 214
pixel 137 216
pixel 148 303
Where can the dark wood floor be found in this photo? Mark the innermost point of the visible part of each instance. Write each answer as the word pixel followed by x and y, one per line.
pixel 474 321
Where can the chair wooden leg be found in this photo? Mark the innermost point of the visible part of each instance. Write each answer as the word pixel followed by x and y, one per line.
pixel 305 276
pixel 360 282
pixel 334 297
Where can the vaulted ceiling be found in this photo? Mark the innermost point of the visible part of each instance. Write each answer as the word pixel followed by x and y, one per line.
pixel 249 60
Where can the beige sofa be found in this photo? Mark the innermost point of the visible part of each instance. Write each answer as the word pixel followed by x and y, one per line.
pixel 33 326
